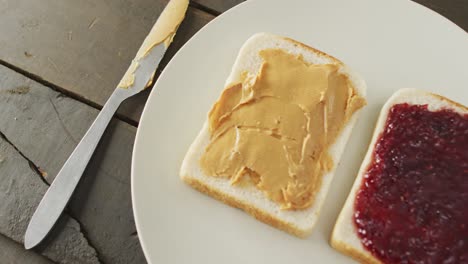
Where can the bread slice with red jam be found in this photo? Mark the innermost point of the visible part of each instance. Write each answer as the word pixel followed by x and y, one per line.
pixel 409 202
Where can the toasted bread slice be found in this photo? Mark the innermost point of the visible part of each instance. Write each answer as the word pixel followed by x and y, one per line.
pixel 249 198
pixel 344 236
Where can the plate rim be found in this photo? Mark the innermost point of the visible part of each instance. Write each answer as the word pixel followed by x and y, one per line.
pixel 138 141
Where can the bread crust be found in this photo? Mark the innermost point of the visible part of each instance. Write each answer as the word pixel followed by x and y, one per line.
pixel 456 104
pixel 321 53
pixel 338 240
pixel 360 256
pixel 300 226
pixel 255 212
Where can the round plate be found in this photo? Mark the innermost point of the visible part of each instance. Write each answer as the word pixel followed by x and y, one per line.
pixel 392 44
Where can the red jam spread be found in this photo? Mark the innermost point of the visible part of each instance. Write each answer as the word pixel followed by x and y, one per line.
pixel 412 206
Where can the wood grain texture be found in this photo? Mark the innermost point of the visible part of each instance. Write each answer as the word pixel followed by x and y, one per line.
pixel 21 189
pixel 45 126
pixel 87 50
pixel 14 253
pixel 84 46
pixel 219 6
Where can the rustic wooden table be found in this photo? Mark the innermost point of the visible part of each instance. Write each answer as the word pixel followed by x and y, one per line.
pixel 59 62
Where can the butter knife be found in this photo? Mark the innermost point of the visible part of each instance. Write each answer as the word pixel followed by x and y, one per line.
pixel 138 77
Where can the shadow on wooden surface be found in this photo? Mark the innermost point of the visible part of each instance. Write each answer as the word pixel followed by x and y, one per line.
pixel 15 253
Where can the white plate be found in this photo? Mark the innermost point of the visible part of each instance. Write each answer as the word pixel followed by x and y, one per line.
pixel 391 43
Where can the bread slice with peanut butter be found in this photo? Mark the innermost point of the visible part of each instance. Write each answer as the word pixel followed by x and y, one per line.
pixel 272 141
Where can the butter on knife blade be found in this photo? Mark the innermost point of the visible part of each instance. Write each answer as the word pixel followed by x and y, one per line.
pixel 136 79
pixel 163 31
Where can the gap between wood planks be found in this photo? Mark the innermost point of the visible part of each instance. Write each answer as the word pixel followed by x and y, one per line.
pixel 85 234
pixel 39 174
pixel 64 92
pixel 204 8
pixel 33 166
pixel 82 99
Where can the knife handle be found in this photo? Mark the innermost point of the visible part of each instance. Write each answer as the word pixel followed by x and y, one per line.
pixel 57 196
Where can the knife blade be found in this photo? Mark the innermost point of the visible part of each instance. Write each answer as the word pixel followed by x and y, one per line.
pixel 138 77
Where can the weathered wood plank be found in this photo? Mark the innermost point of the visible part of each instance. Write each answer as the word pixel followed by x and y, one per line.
pixel 219 6
pixel 21 189
pixel 83 46
pixel 46 126
pixel 14 253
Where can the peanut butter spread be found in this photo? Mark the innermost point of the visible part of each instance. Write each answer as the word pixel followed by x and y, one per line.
pixel 275 130
pixel 163 31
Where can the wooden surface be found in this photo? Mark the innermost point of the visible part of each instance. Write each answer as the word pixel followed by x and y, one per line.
pixel 45 126
pixel 217 6
pixel 13 253
pixel 84 47
pixel 61 61
pixel 21 189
